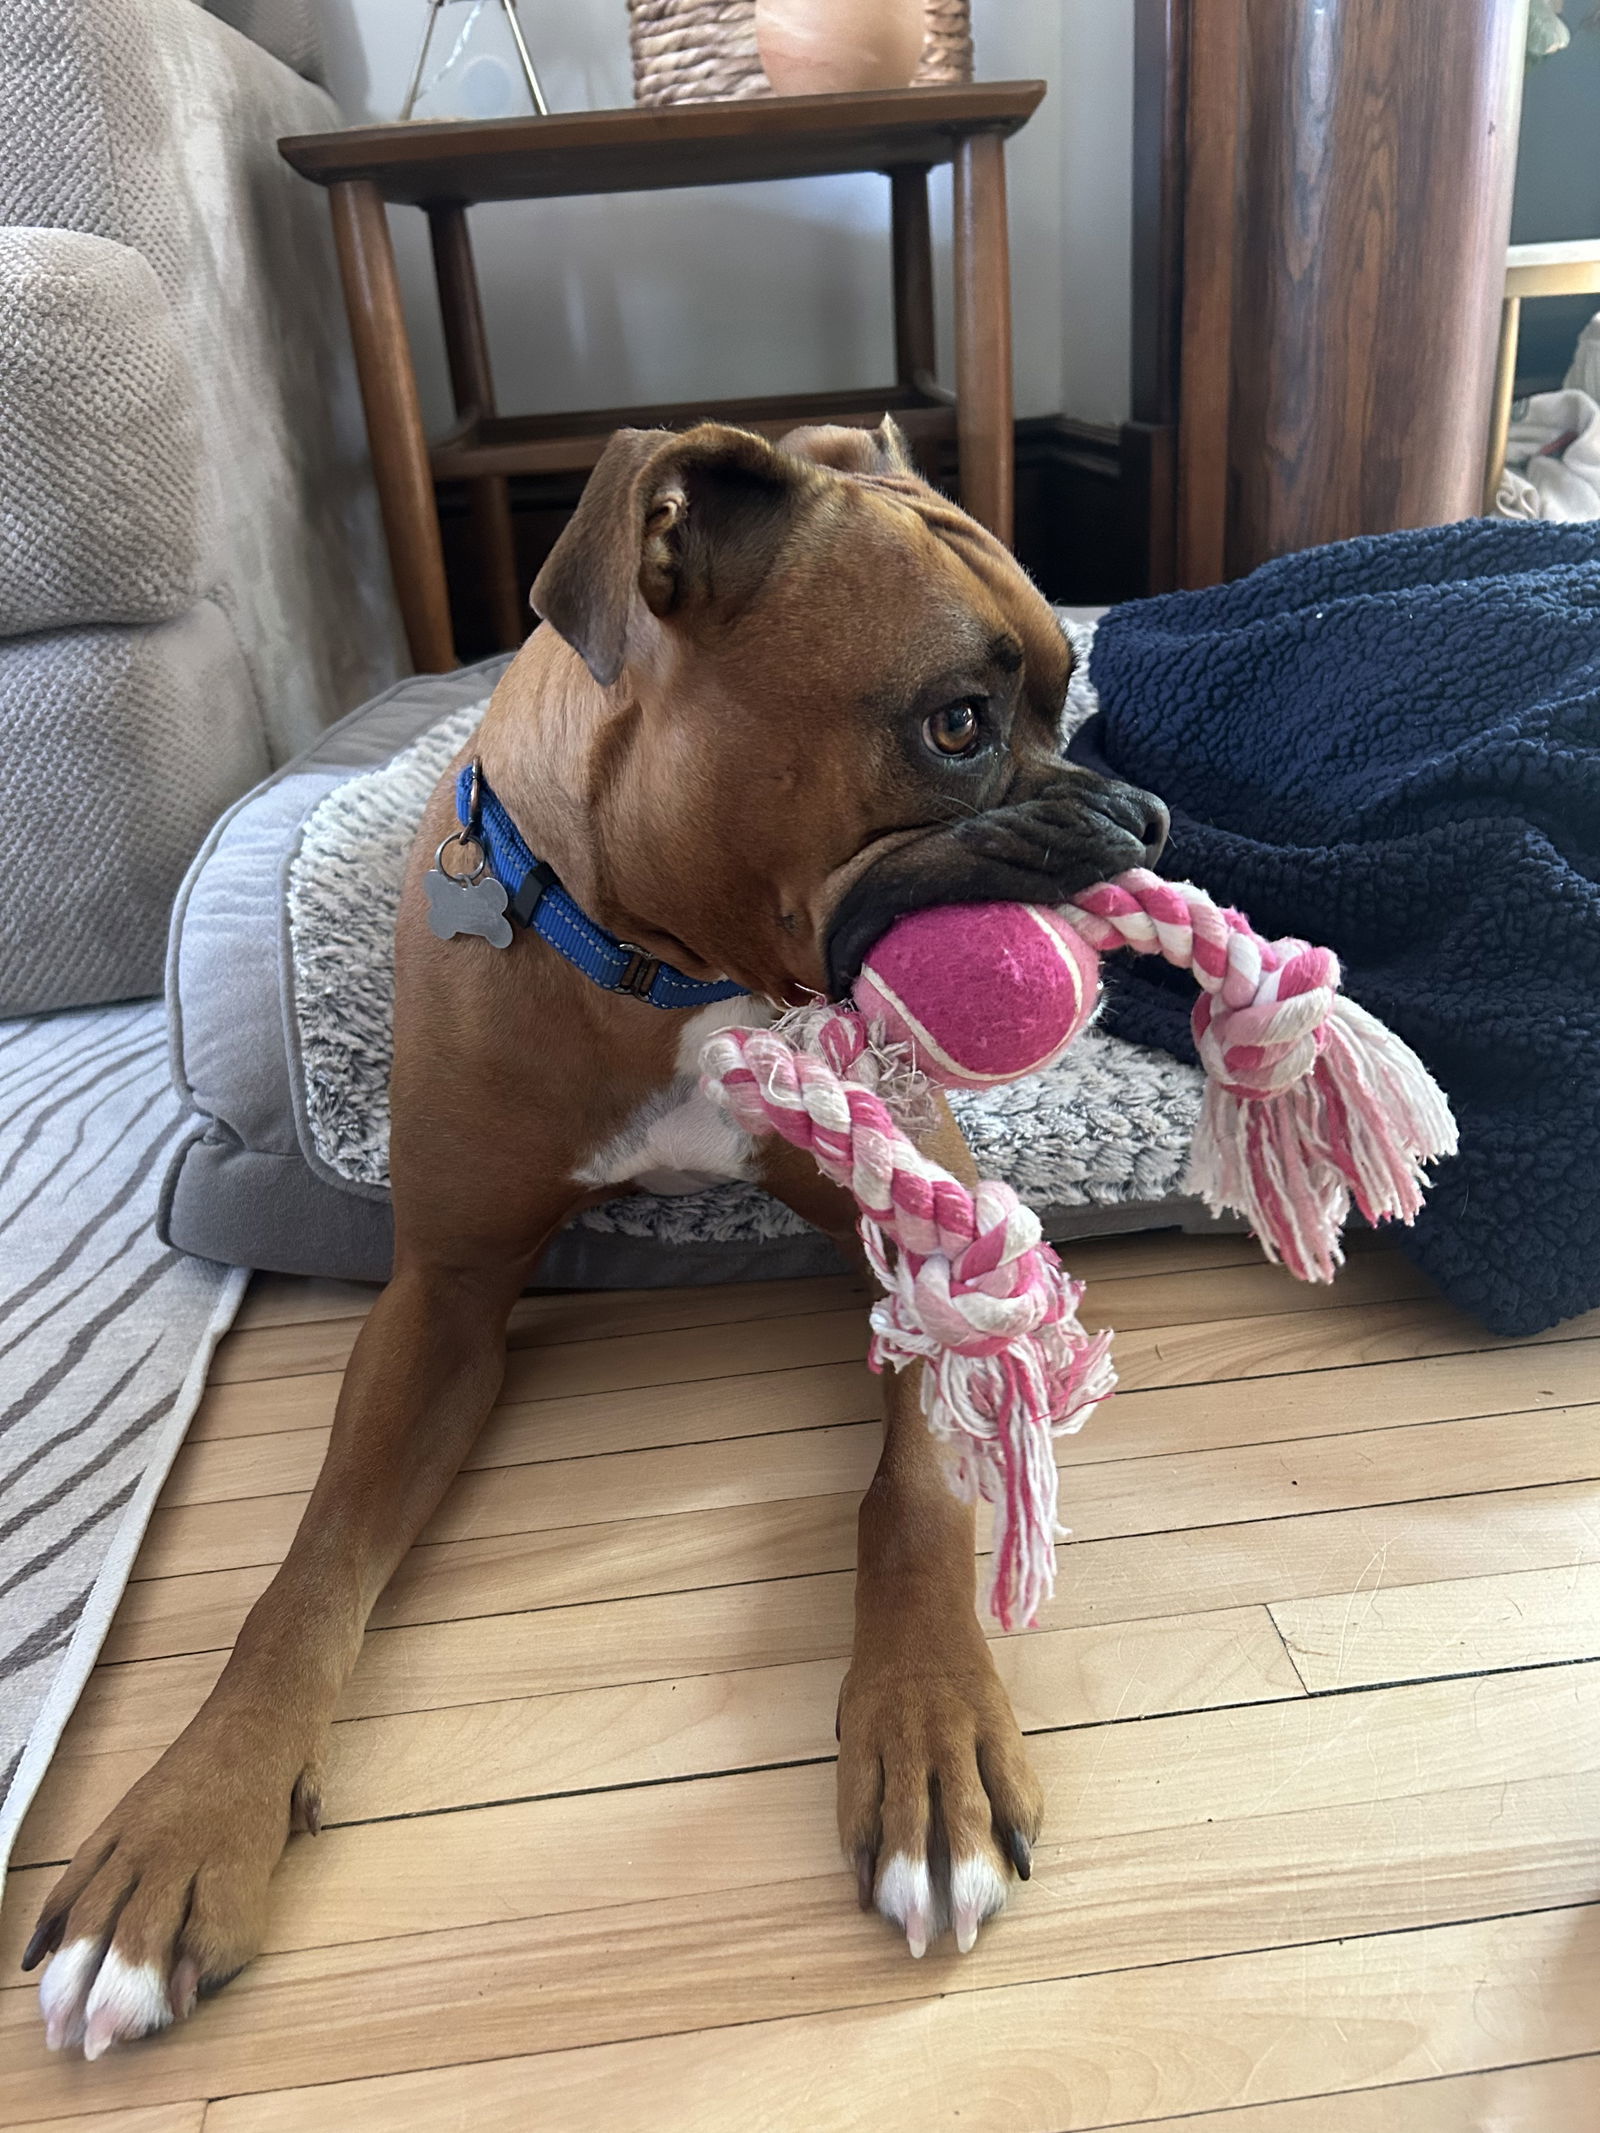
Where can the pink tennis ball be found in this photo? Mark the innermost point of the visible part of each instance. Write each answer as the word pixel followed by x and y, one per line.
pixel 981 993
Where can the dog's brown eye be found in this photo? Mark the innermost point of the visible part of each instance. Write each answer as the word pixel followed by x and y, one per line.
pixel 953 731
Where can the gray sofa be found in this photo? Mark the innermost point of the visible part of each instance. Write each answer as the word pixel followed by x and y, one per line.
pixel 193 581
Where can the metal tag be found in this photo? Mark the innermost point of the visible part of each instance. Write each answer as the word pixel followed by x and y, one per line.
pixel 461 905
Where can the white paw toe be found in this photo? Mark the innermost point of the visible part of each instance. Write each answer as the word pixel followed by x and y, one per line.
pixel 977 1891
pixel 128 2000
pixel 90 1996
pixel 64 1992
pixel 906 1896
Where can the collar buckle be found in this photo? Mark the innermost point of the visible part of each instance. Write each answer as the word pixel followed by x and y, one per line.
pixel 532 890
pixel 639 973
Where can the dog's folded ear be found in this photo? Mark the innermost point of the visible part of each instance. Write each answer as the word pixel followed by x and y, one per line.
pixel 687 521
pixel 852 451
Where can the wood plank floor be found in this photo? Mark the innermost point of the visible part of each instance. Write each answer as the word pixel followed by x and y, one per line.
pixel 1317 1708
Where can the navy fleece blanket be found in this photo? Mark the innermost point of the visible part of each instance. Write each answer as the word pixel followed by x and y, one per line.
pixel 1392 746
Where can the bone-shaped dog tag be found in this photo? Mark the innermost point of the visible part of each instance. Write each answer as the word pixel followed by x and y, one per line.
pixel 462 906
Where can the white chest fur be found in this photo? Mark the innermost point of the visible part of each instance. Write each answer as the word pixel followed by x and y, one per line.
pixel 680 1141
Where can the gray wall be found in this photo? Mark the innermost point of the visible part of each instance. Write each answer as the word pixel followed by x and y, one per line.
pixel 1558 189
pixel 780 288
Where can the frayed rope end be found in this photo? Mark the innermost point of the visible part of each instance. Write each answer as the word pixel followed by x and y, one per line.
pixel 999 1411
pixel 1361 1125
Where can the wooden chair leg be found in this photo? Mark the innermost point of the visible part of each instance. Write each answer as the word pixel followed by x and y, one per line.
pixel 915 345
pixel 983 332
pixel 494 533
pixel 394 421
pixel 472 383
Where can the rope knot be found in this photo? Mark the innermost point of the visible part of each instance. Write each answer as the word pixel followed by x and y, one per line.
pixel 1266 1025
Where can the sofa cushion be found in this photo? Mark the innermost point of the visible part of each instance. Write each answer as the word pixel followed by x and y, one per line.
pixel 280 982
pixel 153 124
pixel 118 749
pixel 105 515
pixel 291 30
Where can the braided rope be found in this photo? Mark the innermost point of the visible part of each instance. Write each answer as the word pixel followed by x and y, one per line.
pixel 694 51
pixel 1309 1102
pixel 971 1288
pixel 1262 1015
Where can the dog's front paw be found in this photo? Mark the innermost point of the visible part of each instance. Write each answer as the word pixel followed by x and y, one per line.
pixel 938 1804
pixel 168 1898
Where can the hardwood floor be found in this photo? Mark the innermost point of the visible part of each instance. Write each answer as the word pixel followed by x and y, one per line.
pixel 1317 1708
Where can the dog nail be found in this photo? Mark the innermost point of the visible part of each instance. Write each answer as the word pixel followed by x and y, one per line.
pixel 184 1991
pixel 305 1806
pixel 1021 1854
pixel 917 1933
pixel 42 1943
pixel 966 1930
pixel 64 2031
pixel 866 1875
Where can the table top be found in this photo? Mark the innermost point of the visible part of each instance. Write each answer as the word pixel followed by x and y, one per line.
pixel 649 148
pixel 1566 268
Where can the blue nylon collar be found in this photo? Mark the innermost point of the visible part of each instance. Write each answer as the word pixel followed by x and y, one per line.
pixel 537 900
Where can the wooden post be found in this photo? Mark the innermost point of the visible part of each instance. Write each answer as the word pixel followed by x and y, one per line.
pixel 394 420
pixel 1210 241
pixel 1369 265
pixel 915 345
pixel 983 332
pixel 472 383
pixel 1150 436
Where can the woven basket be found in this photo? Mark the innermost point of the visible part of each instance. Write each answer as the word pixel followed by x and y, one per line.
pixel 690 51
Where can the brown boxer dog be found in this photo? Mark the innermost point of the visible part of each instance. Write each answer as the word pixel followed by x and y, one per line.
pixel 781 695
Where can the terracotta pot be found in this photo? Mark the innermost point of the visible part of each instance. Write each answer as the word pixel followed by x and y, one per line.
pixel 819 47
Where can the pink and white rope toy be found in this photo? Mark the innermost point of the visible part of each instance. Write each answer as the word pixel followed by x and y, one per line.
pixel 1310 1103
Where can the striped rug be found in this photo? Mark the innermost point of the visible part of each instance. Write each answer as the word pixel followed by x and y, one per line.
pixel 105 1337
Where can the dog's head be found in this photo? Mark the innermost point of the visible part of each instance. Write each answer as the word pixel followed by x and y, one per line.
pixel 826 697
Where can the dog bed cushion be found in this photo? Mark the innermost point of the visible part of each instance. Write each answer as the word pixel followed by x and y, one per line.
pixel 280 987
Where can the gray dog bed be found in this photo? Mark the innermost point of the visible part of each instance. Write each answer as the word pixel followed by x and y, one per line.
pixel 280 987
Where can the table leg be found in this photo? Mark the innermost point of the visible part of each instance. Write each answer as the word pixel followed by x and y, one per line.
pixel 1505 384
pixel 915 348
pixel 472 382
pixel 394 420
pixel 983 332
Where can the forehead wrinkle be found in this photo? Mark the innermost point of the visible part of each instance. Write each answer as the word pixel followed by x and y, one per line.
pixel 961 658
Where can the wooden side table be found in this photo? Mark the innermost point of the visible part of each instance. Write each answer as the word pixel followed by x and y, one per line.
pixel 1566 268
pixel 445 169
